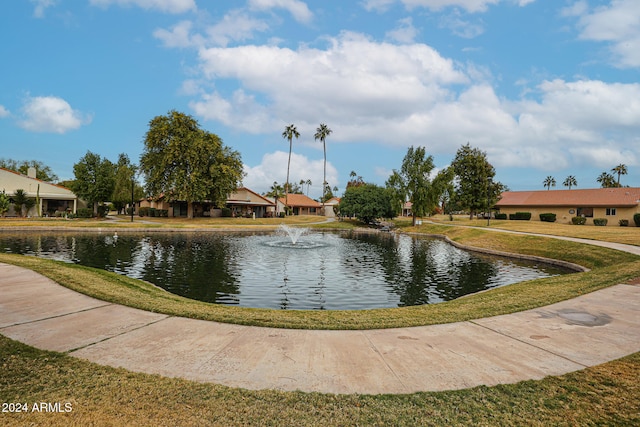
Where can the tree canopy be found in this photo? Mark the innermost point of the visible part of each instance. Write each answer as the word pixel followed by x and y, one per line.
pixel 94 179
pixel 475 186
pixel 366 202
pixel 43 172
pixel 124 180
pixel 184 162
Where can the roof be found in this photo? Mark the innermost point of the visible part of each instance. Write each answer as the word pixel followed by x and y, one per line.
pixel 253 199
pixel 603 197
pixel 12 180
pixel 301 200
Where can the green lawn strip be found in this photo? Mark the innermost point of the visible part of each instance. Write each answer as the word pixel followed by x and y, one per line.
pixel 609 267
pixel 607 394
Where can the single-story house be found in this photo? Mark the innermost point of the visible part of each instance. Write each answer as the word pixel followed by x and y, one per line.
pixel 330 206
pixel 246 202
pixel 301 205
pixel 53 198
pixel 613 204
pixel 407 209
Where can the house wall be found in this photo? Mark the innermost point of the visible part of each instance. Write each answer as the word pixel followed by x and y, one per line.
pixel 564 215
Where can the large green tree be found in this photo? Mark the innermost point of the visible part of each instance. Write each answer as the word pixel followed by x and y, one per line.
pixel 289 133
pixel 475 186
pixel 606 180
pixel 94 179
pixel 621 169
pixel 125 183
pixel 43 172
pixel 186 163
pixel 366 202
pixel 413 183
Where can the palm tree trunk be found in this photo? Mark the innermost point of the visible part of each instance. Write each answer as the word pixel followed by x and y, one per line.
pixel 286 189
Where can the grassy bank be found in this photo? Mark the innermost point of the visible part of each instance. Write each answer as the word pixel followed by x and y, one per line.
pixel 603 395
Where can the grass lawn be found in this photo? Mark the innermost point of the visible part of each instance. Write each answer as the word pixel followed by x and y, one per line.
pixel 603 395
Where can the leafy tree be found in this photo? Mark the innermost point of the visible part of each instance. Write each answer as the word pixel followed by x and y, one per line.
pixel 606 180
pixel 186 163
pixel 322 132
pixel 124 180
pixel 413 183
pixel 475 186
pixel 570 181
pixel 621 169
pixel 94 179
pixel 367 203
pixel 549 182
pixel 289 133
pixel 43 172
pixel 22 203
pixel 327 193
pixel 4 203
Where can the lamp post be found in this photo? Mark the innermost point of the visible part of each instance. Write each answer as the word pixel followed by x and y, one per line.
pixel 488 201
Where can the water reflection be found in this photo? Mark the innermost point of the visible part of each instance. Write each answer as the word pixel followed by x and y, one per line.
pixel 335 271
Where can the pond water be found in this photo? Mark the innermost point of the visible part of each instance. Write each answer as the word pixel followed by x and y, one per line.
pixel 328 271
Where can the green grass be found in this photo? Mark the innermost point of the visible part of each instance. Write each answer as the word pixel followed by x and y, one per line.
pixel 102 396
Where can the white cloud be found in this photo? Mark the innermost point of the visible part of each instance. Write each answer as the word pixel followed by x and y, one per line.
pixel 273 167
pixel 404 33
pixel 461 27
pixel 51 114
pixel 235 26
pixel 167 6
pixel 296 8
pixel 471 6
pixel 618 24
pixel 41 6
pixel 4 112
pixel 178 36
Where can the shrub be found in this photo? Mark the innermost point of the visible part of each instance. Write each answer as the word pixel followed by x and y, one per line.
pixel 225 212
pixel 162 213
pixel 152 212
pixel 548 217
pixel 281 215
pixel 624 223
pixel 84 213
pixel 520 216
pixel 636 219
pixel 143 211
pixel 578 220
pixel 600 221
pixel 103 211
pixel 501 216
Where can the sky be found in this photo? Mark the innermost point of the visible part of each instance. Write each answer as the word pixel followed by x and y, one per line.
pixel 544 87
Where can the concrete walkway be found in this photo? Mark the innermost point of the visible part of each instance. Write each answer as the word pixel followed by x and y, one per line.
pixel 551 340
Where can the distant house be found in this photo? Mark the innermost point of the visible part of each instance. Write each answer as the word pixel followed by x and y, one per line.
pixel 613 204
pixel 53 198
pixel 246 202
pixel 301 205
pixel 407 209
pixel 330 206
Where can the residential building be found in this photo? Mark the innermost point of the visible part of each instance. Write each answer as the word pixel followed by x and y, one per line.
pixel 54 199
pixel 246 202
pixel 614 204
pixel 300 205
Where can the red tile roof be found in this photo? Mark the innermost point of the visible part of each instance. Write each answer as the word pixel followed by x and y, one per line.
pixel 604 197
pixel 301 200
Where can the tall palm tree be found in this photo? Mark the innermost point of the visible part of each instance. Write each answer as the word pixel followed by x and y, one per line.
pixel 570 182
pixel 289 132
pixel 322 132
pixel 276 193
pixel 549 182
pixel 606 180
pixel 309 183
pixel 620 170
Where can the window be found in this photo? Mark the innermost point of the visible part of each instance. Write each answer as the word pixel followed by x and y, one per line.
pixel 585 212
pixel 611 211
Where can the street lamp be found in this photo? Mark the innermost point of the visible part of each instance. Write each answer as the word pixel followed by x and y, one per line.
pixel 488 201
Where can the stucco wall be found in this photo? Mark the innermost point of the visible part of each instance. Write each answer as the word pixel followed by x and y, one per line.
pixel 564 214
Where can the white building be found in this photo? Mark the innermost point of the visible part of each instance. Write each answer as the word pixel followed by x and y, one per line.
pixel 53 198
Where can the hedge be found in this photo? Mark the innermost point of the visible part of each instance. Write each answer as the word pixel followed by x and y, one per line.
pixel 600 221
pixel 520 216
pixel 578 220
pixel 636 219
pixel 501 216
pixel 548 217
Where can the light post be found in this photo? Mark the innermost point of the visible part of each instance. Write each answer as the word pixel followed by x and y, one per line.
pixel 488 201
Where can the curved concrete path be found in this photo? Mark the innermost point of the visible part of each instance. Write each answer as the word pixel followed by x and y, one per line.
pixel 551 340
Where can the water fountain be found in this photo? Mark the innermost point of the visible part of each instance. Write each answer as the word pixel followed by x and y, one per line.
pixel 293 233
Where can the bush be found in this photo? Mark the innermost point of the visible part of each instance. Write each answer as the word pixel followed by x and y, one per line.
pixel 225 212
pixel 501 216
pixel 636 219
pixel 281 215
pixel 162 213
pixel 103 211
pixel 600 221
pixel 144 211
pixel 578 220
pixel 624 223
pixel 548 217
pixel 84 213
pixel 520 216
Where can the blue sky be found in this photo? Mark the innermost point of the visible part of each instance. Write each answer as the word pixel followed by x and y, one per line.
pixel 545 87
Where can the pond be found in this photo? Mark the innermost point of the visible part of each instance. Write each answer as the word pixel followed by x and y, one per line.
pixel 322 271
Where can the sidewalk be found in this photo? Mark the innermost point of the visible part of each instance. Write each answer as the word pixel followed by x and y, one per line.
pixel 552 340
